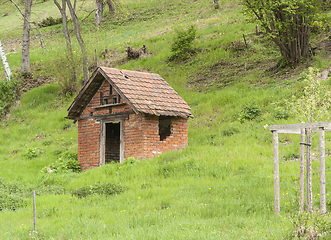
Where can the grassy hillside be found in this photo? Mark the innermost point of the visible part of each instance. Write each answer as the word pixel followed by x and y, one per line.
pixel 219 187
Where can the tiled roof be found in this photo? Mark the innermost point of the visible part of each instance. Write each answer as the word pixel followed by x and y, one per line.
pixel 145 92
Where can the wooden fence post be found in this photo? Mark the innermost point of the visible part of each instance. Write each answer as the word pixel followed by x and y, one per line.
pixel 322 169
pixel 302 170
pixel 309 177
pixel 34 211
pixel 276 172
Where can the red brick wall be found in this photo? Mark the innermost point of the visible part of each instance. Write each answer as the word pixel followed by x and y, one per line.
pixel 133 135
pixel 177 140
pixel 141 133
pixel 88 143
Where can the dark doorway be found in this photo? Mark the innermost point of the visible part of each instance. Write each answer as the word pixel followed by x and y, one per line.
pixel 112 148
pixel 164 127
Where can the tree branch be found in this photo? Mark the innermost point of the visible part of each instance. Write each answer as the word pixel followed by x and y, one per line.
pixel 42 43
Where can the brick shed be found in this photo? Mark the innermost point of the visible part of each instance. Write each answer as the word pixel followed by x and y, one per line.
pixel 123 114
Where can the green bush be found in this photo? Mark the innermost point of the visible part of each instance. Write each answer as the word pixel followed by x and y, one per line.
pixel 229 131
pixel 182 45
pixel 279 114
pixel 249 112
pixel 50 21
pixel 11 201
pixel 10 196
pixel 8 93
pixel 66 162
pixel 31 153
pixel 98 188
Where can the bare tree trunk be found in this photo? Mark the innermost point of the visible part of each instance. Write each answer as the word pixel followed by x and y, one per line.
pixel 5 63
pixel 67 37
pixel 80 40
pixel 98 11
pixel 111 6
pixel 25 63
pixel 216 5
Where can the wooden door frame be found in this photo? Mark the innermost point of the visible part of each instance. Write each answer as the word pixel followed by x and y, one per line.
pixel 102 159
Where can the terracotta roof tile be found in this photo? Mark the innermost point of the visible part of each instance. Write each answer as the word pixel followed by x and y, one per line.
pixel 146 92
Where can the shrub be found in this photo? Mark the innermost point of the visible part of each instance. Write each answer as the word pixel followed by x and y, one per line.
pixel 8 93
pixel 66 162
pixel 249 112
pixel 98 188
pixel 31 153
pixel 229 131
pixel 280 114
pixel 291 156
pixel 11 201
pixel 50 21
pixel 181 47
pixel 9 196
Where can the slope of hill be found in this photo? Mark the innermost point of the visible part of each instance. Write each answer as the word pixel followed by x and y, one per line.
pixel 219 187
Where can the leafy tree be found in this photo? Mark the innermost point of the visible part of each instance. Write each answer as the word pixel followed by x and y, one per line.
pixel 315 101
pixel 182 45
pixel 312 105
pixel 287 23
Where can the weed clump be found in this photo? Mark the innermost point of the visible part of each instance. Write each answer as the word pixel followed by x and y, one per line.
pixel 10 197
pixel 310 226
pixel 98 188
pixel 229 131
pixel 50 21
pixel 249 112
pixel 67 162
pixel 8 93
pixel 31 153
pixel 280 114
pixel 10 201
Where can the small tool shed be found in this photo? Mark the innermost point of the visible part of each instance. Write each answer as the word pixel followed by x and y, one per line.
pixel 123 114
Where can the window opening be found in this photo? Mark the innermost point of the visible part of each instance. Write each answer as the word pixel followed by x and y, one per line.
pixel 164 127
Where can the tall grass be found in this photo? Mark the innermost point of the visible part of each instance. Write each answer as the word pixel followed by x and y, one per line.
pixel 219 187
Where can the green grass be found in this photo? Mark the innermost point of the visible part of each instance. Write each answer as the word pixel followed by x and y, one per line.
pixel 219 187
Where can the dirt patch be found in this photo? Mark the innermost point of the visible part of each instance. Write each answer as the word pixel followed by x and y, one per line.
pixel 30 83
pixel 12 46
pixel 225 73
pixel 112 58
